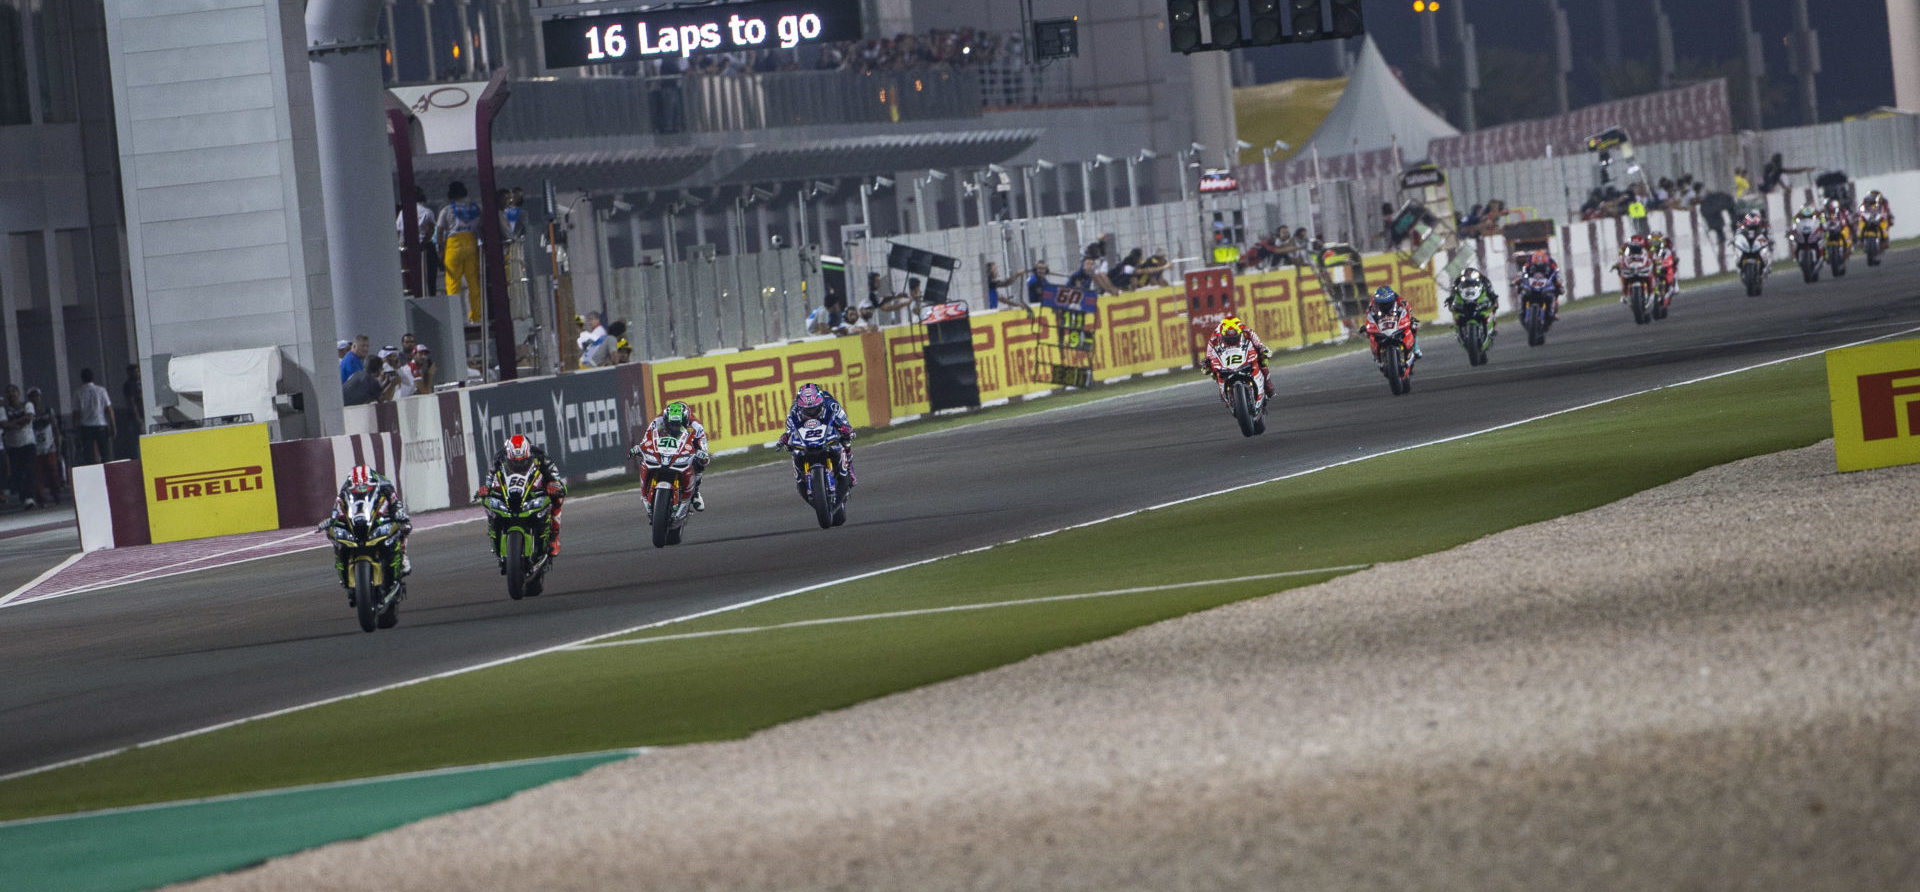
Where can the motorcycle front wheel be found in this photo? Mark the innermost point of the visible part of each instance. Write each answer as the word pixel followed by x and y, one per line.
pixel 1390 365
pixel 662 511
pixel 817 494
pixel 365 596
pixel 1242 400
pixel 516 547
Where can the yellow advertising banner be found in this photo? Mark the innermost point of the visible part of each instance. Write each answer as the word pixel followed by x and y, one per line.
pixel 1270 302
pixel 743 398
pixel 1875 391
pixel 212 482
pixel 1009 360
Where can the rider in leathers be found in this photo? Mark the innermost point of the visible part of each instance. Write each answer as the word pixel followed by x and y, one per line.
pixel 1388 304
pixel 1754 225
pixel 360 482
pixel 1540 264
pixel 813 403
pixel 1229 336
pixel 519 455
pixel 1472 297
pixel 677 421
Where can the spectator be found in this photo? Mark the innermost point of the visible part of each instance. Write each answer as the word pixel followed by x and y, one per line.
pixel 422 367
pixel 46 447
pixel 594 346
pixel 622 352
pixel 995 282
pixel 1122 274
pixel 1742 183
pixel 407 345
pixel 429 255
pixel 355 359
pixel 1717 208
pixel 133 404
pixel 16 434
pixel 341 348
pixel 1775 173
pixel 1152 272
pixel 1082 279
pixel 94 420
pixel 1036 284
pixel 820 321
pixel 459 227
pixel 406 380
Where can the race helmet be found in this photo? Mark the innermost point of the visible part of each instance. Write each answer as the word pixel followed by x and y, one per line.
pixel 674 419
pixel 1470 278
pixel 1385 300
pixel 1637 241
pixel 519 454
pixel 1876 199
pixel 1753 220
pixel 1807 211
pixel 1539 263
pixel 360 480
pixel 1231 329
pixel 811 402
pixel 1834 206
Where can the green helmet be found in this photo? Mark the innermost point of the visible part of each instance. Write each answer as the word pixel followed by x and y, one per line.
pixel 677 412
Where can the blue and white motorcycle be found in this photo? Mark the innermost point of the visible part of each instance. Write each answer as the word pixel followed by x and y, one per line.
pixel 820 456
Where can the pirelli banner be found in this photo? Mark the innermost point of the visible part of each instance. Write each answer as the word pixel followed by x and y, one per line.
pixel 211 482
pixel 743 398
pixel 1007 356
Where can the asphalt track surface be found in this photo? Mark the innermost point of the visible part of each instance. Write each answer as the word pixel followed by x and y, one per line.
pixel 92 672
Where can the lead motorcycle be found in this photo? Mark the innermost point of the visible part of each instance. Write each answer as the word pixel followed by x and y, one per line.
pixel 1243 387
pixel 520 518
pixel 1637 290
pixel 365 545
pixel 1753 260
pixel 822 460
pixel 667 475
pixel 1806 247
pixel 1393 350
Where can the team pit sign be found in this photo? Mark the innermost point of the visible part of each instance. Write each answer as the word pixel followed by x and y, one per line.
pixel 691 31
pixel 1875 391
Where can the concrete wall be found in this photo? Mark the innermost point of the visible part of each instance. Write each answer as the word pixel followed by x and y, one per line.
pixel 225 233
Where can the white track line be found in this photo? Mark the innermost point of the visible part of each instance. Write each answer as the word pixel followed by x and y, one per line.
pixel 501 661
pixel 56 568
pixel 329 785
pixel 961 608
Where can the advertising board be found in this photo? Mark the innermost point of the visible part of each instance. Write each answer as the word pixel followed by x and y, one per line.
pixel 575 418
pixel 210 482
pixel 743 398
pixel 1875 392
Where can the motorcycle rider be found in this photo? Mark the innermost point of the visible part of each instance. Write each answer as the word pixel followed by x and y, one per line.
pixel 1875 201
pixel 677 421
pixel 1754 226
pixel 1472 296
pixel 1836 212
pixel 1665 263
pixel 1540 265
pixel 519 455
pixel 1808 214
pixel 813 403
pixel 1388 304
pixel 1231 333
pixel 361 482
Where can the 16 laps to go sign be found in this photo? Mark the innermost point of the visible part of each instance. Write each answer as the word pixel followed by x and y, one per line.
pixel 686 32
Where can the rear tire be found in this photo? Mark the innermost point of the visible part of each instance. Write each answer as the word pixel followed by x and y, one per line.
pixel 364 596
pixel 516 548
pixel 662 511
pixel 822 501
pixel 390 616
pixel 1242 402
pixel 1659 309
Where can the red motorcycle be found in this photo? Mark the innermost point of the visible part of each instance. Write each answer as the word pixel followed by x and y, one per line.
pixel 668 478
pixel 1637 288
pixel 1392 339
pixel 1243 387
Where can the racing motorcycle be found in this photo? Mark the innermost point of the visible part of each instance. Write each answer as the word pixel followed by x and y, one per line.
pixel 521 512
pixel 1470 326
pixel 1806 247
pixel 817 450
pixel 668 477
pixel 1753 260
pixel 1393 350
pixel 1536 308
pixel 364 536
pixel 1243 387
pixel 1637 290
pixel 1873 234
pixel 1839 246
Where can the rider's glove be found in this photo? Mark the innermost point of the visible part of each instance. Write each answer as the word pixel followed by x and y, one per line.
pixel 783 441
pixel 846 433
pixel 554 489
pixel 481 493
pixel 634 451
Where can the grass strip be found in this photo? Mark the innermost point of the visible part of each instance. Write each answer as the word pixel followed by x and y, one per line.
pixel 1388 508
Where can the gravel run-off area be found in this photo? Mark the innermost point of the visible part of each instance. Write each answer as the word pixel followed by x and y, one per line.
pixel 1710 685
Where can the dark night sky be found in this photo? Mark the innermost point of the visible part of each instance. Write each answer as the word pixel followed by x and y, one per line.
pixel 1856 61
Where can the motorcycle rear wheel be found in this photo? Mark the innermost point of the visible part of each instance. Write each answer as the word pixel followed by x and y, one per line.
pixel 516 548
pixel 364 596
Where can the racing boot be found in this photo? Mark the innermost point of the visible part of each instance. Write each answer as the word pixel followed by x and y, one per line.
pixel 406 565
pixel 699 501
pixel 553 539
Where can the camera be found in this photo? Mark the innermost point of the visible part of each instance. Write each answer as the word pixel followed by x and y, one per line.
pixel 779 241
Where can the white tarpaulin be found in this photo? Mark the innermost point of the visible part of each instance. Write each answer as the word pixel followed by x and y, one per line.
pixel 1374 111
pixel 229 382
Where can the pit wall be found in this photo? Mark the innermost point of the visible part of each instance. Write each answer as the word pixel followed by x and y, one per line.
pixel 436 446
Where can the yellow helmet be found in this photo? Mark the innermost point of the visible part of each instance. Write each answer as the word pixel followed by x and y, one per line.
pixel 1232 324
